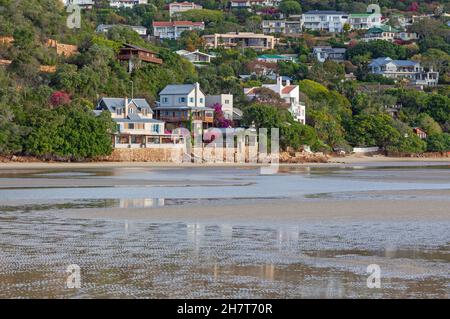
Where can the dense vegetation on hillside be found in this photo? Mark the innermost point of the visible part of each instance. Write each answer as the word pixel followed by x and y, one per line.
pixel 50 114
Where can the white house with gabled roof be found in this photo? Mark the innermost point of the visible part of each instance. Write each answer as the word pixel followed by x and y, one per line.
pixel 135 125
pixel 288 92
pixel 406 69
pixel 180 104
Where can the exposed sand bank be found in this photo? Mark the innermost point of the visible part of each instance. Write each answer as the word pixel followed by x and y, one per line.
pixel 282 211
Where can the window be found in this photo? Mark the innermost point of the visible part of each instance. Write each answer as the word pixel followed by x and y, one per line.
pixel 182 100
pixel 191 99
pixel 155 128
pixel 201 100
pixel 227 101
pixel 119 111
pixel 131 126
pixel 165 99
pixel 130 110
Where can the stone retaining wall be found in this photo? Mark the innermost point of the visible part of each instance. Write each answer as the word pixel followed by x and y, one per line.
pixel 168 154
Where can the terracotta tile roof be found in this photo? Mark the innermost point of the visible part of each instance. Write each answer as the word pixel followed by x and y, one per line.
pixel 176 23
pixel 288 89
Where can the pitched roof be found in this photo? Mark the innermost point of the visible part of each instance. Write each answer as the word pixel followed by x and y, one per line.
pixel 361 15
pixel 271 56
pixel 382 28
pixel 176 23
pixel 386 60
pixel 316 12
pixel 131 46
pixel 288 88
pixel 186 52
pixel 114 103
pixel 172 89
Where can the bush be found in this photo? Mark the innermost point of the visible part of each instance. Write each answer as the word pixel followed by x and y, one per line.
pixel 438 142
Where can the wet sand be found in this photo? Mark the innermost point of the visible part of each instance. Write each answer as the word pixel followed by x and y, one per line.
pixel 284 211
pixel 333 162
pixel 211 232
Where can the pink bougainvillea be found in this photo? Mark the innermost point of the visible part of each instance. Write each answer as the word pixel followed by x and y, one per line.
pixel 413 7
pixel 59 98
pixel 219 118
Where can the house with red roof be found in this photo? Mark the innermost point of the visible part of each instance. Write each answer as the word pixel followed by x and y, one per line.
pixel 288 92
pixel 172 29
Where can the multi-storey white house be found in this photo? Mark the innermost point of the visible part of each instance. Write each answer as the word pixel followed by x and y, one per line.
pixel 136 127
pixel 330 21
pixel 397 69
pixel 173 29
pixel 84 4
pixel 323 53
pixel 281 26
pixel 288 92
pixel 180 104
pixel 247 4
pixel 126 3
pixel 364 21
pixel 142 31
pixel 258 42
pixel 177 7
pixel 226 100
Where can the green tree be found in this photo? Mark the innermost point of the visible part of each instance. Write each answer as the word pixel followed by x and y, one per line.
pixel 290 7
pixel 439 142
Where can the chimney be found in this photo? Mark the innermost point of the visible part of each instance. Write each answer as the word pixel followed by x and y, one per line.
pixel 126 107
pixel 197 90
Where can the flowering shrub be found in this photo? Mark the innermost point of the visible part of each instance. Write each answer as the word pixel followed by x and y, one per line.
pixel 59 98
pixel 219 118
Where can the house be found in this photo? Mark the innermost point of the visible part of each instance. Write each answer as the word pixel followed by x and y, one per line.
pixel 287 27
pixel 237 117
pixel 196 56
pixel 248 4
pixel 172 29
pixel 126 3
pixel 407 36
pixel 406 69
pixel 132 53
pixel 249 40
pixel 288 92
pixel 324 53
pixel 383 32
pixel 142 31
pixel 226 100
pixel 83 4
pixel 420 133
pixel 388 33
pixel 179 104
pixel 274 58
pixel 330 21
pixel 136 127
pixel 364 21
pixel 177 7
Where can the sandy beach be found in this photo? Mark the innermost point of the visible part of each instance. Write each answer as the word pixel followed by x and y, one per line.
pixel 332 162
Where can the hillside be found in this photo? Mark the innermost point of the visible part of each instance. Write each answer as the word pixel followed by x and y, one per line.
pixel 38 109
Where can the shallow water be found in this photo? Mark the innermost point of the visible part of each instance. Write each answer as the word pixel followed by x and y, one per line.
pixel 208 259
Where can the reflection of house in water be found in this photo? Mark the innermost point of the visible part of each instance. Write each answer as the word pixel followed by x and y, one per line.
pixel 194 235
pixel 287 236
pixel 141 202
